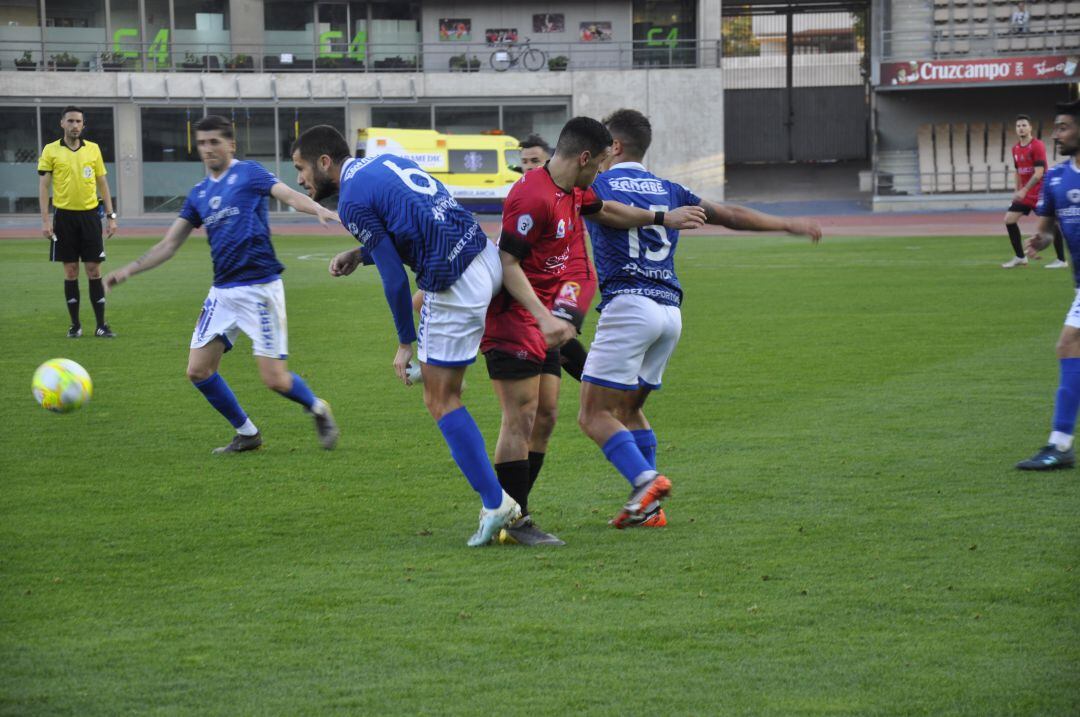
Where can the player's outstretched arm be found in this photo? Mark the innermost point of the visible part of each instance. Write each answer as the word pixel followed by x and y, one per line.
pixel 303 203
pixel 556 331
pixel 158 254
pixel 621 216
pixel 740 218
pixel 1043 237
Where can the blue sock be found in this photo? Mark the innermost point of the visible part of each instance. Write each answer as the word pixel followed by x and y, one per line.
pixel 625 455
pixel 222 398
pixel 299 392
pixel 1068 396
pixel 469 452
pixel 646 443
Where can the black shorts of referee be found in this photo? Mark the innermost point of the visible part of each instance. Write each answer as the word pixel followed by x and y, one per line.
pixel 77 236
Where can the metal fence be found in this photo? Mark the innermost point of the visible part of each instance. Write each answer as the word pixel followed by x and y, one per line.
pixel 415 57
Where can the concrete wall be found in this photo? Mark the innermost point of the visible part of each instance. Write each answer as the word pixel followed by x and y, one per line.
pixel 686 106
pixel 900 113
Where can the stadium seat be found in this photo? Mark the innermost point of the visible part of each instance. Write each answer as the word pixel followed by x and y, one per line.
pixel 980 181
pixel 925 139
pixel 941 15
pixel 960 161
pixel 980 14
pixel 1002 13
pixel 1055 9
pixel 961 12
pixel 995 158
pixel 943 158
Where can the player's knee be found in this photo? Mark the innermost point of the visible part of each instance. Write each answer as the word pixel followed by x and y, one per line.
pixel 197 374
pixel 546 416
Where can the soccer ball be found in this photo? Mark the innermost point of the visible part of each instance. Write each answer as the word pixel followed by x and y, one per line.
pixel 61 385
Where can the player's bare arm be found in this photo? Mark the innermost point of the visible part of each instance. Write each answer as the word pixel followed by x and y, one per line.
pixel 303 203
pixel 556 331
pixel 1044 236
pixel 742 218
pixel 621 216
pixel 345 263
pixel 43 198
pixel 158 254
pixel 106 196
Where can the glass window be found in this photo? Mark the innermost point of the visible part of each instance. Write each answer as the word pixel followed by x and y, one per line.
pixel 19 152
pixel 519 121
pixel 401 117
pixel 466 120
pixel 202 28
pixel 395 33
pixel 97 127
pixel 74 31
pixel 473 161
pixel 289 36
pixel 124 33
pixel 158 35
pixel 293 121
pixel 664 33
pixel 171 164
pixel 19 31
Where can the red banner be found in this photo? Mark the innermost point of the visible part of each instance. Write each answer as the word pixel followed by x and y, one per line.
pixel 999 70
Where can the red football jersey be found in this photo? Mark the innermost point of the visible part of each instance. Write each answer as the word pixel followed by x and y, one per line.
pixel 542 227
pixel 1026 159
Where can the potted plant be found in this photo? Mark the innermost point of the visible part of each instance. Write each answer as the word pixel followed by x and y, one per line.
pixel 474 64
pixel 239 62
pixel 26 62
pixel 558 63
pixel 458 63
pixel 63 61
pixel 192 63
pixel 112 61
pixel 396 62
pixel 327 63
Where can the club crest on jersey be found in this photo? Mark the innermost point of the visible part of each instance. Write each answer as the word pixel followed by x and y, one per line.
pixel 560 231
pixel 87 172
pixel 231 180
pixel 1073 195
pixel 570 291
pixel 215 202
pixel 525 224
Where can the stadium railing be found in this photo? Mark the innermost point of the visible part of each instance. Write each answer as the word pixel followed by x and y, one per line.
pixel 45 55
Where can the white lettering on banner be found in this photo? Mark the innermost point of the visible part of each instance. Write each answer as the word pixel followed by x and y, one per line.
pixel 639 186
pixel 965 71
pixel 410 175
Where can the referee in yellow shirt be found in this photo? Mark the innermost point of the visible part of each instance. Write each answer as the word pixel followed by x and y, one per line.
pixel 76 171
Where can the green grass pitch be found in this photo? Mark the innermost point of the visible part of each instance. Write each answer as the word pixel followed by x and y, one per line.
pixel 847 535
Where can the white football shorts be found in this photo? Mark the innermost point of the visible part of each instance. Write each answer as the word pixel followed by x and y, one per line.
pixel 1073 317
pixel 635 338
pixel 257 309
pixel 452 321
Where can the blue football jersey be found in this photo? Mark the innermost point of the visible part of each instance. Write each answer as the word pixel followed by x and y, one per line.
pixel 389 198
pixel 1060 198
pixel 235 211
pixel 638 261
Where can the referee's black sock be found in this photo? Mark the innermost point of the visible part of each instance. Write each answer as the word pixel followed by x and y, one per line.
pixel 1059 243
pixel 573 356
pixel 514 479
pixel 71 293
pixel 97 298
pixel 1014 238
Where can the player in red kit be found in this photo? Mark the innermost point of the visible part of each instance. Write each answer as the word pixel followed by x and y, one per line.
pixel 540 258
pixel 1029 159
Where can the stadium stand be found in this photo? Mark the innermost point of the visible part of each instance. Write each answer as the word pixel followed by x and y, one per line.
pixel 967 26
pixel 973 157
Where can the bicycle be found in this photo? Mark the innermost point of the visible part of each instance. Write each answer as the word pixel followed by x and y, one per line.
pixel 505 57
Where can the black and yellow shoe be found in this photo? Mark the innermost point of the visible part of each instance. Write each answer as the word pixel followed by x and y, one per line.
pixel 525 532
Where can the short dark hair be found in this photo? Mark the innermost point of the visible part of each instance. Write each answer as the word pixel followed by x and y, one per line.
pixel 535 140
pixel 1022 117
pixel 1069 108
pixel 71 108
pixel 582 134
pixel 631 128
pixel 216 123
pixel 319 140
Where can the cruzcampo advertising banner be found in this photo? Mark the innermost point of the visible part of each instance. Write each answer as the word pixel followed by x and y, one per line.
pixel 928 73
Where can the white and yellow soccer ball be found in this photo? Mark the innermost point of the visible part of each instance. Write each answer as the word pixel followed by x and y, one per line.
pixel 61 385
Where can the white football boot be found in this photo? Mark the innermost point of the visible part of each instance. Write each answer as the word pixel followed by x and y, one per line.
pixel 1015 262
pixel 494 520
pixel 1057 264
